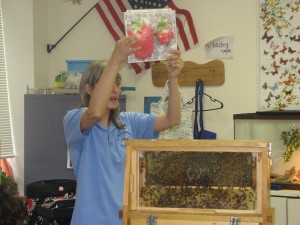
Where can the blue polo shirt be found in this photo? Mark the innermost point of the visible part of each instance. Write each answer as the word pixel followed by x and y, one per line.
pixel 98 159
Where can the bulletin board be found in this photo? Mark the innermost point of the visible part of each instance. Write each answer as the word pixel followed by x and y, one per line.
pixel 279 54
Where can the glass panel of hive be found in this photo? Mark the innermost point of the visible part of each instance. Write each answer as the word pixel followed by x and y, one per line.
pixel 203 180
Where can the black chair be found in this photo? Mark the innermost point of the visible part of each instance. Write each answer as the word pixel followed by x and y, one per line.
pixel 44 192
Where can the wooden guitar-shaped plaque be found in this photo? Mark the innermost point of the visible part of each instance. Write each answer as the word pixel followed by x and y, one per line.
pixel 212 73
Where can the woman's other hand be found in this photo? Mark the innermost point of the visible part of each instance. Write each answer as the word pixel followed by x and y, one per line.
pixel 174 64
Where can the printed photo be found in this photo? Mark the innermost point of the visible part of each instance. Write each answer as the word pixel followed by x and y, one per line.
pixel 156 31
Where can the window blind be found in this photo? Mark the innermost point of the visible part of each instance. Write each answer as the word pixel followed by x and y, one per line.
pixel 6 141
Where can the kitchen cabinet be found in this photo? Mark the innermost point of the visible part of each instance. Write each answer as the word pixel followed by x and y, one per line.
pixel 286 204
pixel 293 215
pixel 279 204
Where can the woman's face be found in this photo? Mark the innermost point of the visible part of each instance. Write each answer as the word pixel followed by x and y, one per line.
pixel 113 102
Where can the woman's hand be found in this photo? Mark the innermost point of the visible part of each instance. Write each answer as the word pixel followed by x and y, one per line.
pixel 174 64
pixel 123 48
pixel 173 115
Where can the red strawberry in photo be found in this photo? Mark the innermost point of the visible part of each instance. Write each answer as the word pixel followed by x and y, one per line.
pixel 145 34
pixel 164 32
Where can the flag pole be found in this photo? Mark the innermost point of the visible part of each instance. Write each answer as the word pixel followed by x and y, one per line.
pixel 50 47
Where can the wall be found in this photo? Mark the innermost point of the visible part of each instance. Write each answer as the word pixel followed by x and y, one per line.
pixel 91 40
pixel 32 25
pixel 40 37
pixel 18 28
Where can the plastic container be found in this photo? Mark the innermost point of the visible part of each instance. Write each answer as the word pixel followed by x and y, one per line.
pixel 77 65
pixel 276 187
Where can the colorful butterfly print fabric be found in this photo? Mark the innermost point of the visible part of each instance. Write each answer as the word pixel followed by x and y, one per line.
pixel 279 54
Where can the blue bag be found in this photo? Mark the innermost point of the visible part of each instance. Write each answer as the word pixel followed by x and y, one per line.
pixel 202 134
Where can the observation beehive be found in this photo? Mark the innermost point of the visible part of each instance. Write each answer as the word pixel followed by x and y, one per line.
pixel 196 182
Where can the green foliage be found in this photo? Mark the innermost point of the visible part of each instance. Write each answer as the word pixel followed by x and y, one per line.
pixel 9 181
pixel 291 139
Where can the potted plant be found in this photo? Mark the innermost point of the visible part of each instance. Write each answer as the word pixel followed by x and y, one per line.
pixel 291 139
pixel 9 182
pixel 12 208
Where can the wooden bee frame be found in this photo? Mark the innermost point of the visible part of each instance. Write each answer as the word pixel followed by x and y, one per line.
pixel 193 199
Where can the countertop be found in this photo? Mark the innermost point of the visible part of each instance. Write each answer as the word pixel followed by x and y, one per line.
pixel 285 193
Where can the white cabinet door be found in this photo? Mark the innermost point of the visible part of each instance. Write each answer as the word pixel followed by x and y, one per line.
pixel 280 214
pixel 293 205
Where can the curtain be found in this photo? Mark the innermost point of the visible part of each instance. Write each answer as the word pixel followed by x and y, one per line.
pixel 6 141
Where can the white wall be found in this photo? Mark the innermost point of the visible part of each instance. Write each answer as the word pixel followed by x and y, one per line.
pixel 18 28
pixel 45 22
pixel 40 38
pixel 91 40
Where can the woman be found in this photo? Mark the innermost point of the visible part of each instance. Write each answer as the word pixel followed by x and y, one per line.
pixel 96 132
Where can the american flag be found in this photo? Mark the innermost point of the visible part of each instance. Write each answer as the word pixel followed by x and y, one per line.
pixel 112 14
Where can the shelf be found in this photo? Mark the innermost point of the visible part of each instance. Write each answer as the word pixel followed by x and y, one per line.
pixel 285 193
pixel 269 115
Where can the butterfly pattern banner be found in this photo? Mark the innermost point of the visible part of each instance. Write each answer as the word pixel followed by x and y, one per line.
pixel 279 54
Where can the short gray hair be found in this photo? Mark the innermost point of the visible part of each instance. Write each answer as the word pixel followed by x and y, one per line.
pixel 91 76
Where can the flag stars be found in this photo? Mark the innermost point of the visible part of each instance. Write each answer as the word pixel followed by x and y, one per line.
pixel 146 4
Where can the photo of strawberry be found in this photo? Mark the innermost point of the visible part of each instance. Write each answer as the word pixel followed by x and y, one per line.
pixel 164 32
pixel 156 31
pixel 144 33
